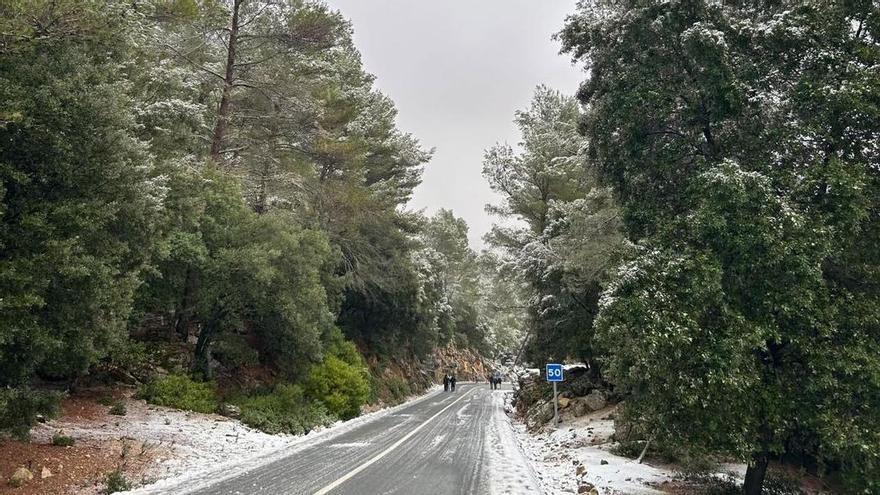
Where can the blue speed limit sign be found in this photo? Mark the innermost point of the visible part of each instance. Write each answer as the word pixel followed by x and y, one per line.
pixel 554 373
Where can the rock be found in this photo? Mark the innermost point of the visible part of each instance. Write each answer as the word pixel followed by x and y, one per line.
pixel 21 476
pixel 580 470
pixel 230 410
pixel 45 473
pixel 579 407
pixel 603 462
pixel 564 402
pixel 594 491
pixel 579 385
pixel 123 376
pixel 585 488
pixel 541 414
pixel 596 400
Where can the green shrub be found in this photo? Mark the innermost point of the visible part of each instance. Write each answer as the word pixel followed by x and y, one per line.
pixel 118 409
pixel 858 469
pixel 234 351
pixel 781 483
pixel 342 387
pixel 61 440
pixel 19 408
pixel 129 355
pixel 285 410
pixel 398 389
pixel 116 482
pixel 181 392
pixel 775 483
pixel 341 382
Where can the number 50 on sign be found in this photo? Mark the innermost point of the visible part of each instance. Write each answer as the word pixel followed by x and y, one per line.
pixel 554 373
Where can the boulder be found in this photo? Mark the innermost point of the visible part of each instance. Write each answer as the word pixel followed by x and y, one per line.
pixel 21 476
pixel 596 400
pixel 540 415
pixel 229 410
pixel 579 407
pixel 123 376
pixel 564 402
pixel 579 385
pixel 45 473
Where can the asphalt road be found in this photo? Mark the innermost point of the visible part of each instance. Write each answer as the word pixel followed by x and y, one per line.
pixel 436 445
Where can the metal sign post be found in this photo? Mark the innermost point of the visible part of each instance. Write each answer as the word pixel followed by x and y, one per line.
pixel 555 407
pixel 555 374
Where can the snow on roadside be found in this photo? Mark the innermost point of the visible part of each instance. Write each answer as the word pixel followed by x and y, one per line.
pixel 510 471
pixel 200 449
pixel 557 454
pixel 183 439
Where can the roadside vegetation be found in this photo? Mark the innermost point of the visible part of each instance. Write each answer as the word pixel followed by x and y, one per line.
pixel 699 228
pixel 205 201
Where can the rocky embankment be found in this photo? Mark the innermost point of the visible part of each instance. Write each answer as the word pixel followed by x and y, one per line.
pixel 398 378
pixel 579 395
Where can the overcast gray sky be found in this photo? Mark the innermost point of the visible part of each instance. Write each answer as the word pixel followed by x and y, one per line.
pixel 458 69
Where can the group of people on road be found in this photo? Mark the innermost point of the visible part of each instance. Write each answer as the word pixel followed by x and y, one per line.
pixel 495 380
pixel 449 383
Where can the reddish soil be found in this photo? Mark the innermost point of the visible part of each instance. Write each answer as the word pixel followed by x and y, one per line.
pixel 82 408
pixel 78 469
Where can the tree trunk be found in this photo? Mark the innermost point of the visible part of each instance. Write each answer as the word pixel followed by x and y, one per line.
pixel 202 355
pixel 594 370
pixel 644 451
pixel 755 473
pixel 261 203
pixel 183 315
pixel 222 122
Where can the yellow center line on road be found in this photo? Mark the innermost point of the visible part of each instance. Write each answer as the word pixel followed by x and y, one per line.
pixel 327 489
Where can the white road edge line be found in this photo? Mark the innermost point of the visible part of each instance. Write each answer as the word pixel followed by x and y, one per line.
pixel 327 489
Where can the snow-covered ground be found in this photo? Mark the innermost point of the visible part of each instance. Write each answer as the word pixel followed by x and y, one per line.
pixel 510 471
pixel 576 454
pixel 193 448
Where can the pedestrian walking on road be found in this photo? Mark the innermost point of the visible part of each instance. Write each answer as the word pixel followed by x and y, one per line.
pixel 452 382
pixel 446 382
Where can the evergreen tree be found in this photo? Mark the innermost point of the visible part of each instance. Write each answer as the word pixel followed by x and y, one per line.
pixel 571 231
pixel 80 197
pixel 741 141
